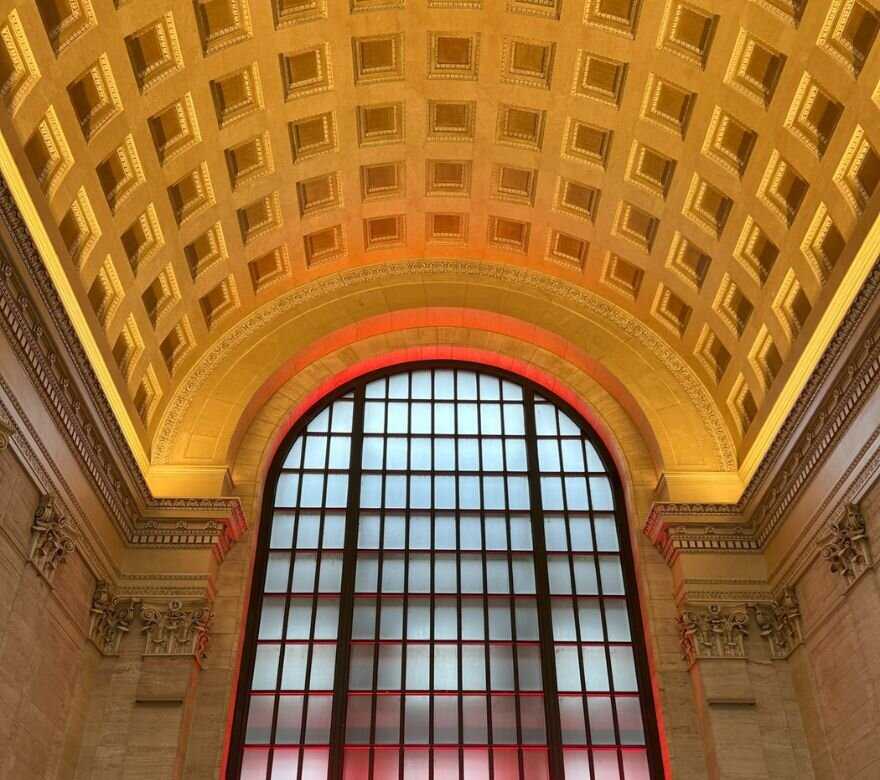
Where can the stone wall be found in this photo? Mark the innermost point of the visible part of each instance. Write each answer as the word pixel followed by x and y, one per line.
pixel 838 674
pixel 46 662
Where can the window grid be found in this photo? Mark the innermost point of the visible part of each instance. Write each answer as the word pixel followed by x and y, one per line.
pixel 500 460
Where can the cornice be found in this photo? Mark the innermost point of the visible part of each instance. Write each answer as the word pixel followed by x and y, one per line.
pixel 140 518
pixel 700 527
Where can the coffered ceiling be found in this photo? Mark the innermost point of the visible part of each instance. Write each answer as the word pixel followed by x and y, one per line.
pixel 707 166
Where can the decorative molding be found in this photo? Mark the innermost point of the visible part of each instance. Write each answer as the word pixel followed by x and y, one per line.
pixel 548 287
pixel 706 530
pixel 112 616
pixel 672 537
pixel 45 364
pixel 175 630
pixel 53 537
pixel 779 622
pixel 713 631
pixel 845 544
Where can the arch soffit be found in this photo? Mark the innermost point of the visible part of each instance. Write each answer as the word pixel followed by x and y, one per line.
pixel 634 365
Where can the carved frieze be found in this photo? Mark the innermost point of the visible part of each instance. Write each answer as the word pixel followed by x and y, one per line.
pixel 779 622
pixel 713 631
pixel 177 629
pixel 53 537
pixel 845 544
pixel 112 617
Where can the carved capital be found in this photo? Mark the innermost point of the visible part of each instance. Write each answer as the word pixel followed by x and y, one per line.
pixel 111 618
pixel 53 537
pixel 845 544
pixel 779 622
pixel 174 629
pixel 713 631
pixel 6 431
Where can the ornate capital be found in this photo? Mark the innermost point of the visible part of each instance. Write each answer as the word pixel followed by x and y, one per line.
pixel 779 622
pixel 6 431
pixel 177 630
pixel 52 537
pixel 713 631
pixel 111 618
pixel 845 544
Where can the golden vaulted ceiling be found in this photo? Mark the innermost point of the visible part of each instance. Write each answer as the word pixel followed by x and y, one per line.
pixel 699 171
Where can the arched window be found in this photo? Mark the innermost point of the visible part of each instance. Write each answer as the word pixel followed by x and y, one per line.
pixel 443 589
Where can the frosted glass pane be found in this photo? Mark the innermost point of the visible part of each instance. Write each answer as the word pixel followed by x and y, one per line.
pixel 572 455
pixel 629 720
pixel 568 676
pixel 323 667
pixel 327 619
pixel 271 617
pixel 445 667
pixel 389 667
pixel 617 620
pixel 468 455
pixel 606 533
pixel 623 669
pixel 416 730
pixel 277 569
pixel 293 676
pixel 600 493
pixel 364 619
pixel 259 722
pixel 514 424
pixel 316 452
pixel 398 417
pixel 611 575
pixel 307 530
pixel 595 668
pixel 266 667
pixel 515 451
pixel 360 675
pixel 467 419
pixel 289 721
pixel 282 530
pixel 473 667
pixel 373 452
pixel 501 667
pixel 317 732
pixel 396 453
pixel 342 416
pixel 418 667
pixel 466 385
pixel 374 417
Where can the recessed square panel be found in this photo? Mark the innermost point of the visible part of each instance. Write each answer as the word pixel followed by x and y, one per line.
pixel 154 52
pixel 587 143
pixel 448 177
pixel 312 136
pixel 446 228
pixel 567 250
pixel 729 142
pixel 384 232
pixel 511 234
pixel 754 68
pixel 237 94
pixel 515 184
pixel 450 120
pixel 453 55
pixel 622 275
pixel 599 78
pixel 378 58
pixel 383 180
pixel 380 124
pixel 528 62
pixel 668 104
pixel 323 245
pixel 306 71
pixel 520 126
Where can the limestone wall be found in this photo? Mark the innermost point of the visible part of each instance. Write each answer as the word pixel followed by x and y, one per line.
pixel 46 663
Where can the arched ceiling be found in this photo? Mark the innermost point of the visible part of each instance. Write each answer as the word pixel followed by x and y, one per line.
pixel 707 167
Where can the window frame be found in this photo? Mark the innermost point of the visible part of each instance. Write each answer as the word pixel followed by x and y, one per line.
pixel 235 746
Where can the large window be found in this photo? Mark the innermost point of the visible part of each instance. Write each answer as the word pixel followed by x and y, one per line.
pixel 443 590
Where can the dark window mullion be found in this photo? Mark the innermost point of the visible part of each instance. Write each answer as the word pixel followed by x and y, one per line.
pixel 575 596
pixel 346 599
pixel 542 588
